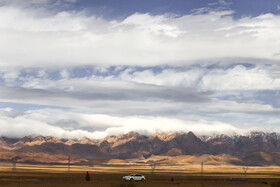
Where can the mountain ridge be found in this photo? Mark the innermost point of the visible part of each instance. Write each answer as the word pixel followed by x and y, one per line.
pixel 256 148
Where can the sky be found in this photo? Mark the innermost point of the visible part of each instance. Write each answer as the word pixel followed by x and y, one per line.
pixel 93 68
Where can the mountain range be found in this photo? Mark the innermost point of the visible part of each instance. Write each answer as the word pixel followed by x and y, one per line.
pixel 256 148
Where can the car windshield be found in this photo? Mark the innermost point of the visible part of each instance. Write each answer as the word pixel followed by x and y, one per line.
pixel 131 175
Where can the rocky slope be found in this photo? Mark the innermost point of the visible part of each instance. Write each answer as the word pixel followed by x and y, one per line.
pixel 257 148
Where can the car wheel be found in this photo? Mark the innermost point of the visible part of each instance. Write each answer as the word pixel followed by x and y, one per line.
pixel 142 180
pixel 131 180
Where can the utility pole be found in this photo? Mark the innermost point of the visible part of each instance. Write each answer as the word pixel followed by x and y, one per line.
pixel 245 169
pixel 201 167
pixel 14 164
pixel 153 165
pixel 69 159
pixel 69 162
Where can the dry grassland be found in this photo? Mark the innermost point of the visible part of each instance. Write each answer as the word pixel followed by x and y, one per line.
pixel 25 175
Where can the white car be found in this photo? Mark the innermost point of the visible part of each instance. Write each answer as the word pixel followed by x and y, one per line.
pixel 134 177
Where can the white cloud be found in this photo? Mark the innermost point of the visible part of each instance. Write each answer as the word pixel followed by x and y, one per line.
pixel 39 50
pixel 47 122
pixel 241 78
pixel 238 77
pixel 20 126
pixel 6 109
pixel 188 78
pixel 233 78
pixel 10 76
pixel 141 92
pixel 69 39
pixel 64 74
pixel 106 98
pixel 42 74
pixel 141 101
pixel 227 106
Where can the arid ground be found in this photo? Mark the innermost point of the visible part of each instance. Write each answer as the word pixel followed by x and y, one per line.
pixel 27 175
